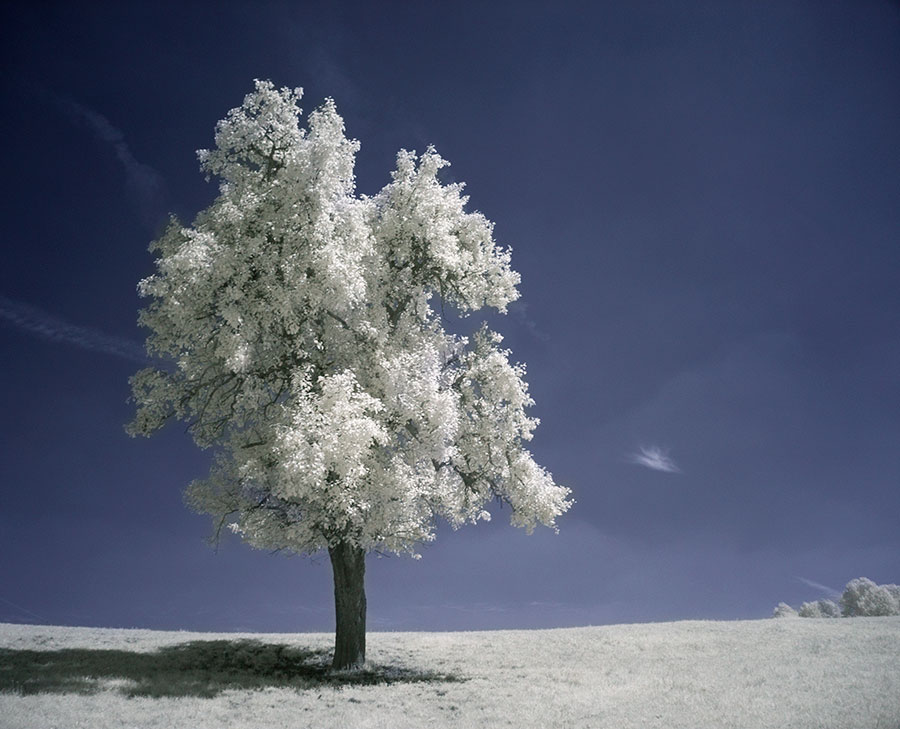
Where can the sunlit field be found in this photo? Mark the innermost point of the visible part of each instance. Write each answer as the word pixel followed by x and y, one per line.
pixel 797 673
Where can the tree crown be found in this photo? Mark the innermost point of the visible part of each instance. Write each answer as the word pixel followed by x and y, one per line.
pixel 297 315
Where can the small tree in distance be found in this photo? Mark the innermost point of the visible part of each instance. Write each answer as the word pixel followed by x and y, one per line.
pixel 297 317
pixel 861 598
pixel 820 609
pixel 864 598
pixel 783 610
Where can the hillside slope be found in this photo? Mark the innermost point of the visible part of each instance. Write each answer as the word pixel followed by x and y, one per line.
pixel 749 674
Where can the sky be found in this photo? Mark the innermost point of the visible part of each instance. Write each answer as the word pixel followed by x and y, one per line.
pixel 702 199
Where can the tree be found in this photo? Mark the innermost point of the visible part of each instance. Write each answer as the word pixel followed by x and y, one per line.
pixel 297 319
pixel 820 609
pixel 783 610
pixel 862 597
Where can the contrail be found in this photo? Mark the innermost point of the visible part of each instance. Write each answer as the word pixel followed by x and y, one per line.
pixel 819 586
pixel 20 608
pixel 30 319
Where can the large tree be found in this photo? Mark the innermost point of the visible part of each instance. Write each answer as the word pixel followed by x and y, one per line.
pixel 296 319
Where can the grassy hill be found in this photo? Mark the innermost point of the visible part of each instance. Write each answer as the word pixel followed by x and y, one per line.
pixel 799 673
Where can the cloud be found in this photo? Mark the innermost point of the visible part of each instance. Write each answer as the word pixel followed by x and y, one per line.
pixel 519 310
pixel 144 184
pixel 819 586
pixel 655 458
pixel 32 320
pixel 331 76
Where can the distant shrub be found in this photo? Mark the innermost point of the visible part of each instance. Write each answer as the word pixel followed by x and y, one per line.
pixel 820 609
pixel 783 610
pixel 863 598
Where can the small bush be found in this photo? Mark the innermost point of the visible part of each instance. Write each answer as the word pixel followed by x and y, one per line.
pixel 861 598
pixel 820 609
pixel 783 610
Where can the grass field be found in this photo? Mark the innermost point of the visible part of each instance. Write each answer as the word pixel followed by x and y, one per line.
pixel 798 673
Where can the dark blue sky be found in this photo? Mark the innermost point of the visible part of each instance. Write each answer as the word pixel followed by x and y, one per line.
pixel 703 200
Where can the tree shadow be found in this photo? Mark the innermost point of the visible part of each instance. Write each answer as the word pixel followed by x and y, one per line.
pixel 199 668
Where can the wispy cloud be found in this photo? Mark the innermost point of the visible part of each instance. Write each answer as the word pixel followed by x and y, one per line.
pixel 144 184
pixel 478 608
pixel 819 586
pixel 655 458
pixel 34 321
pixel 519 310
pixel 330 75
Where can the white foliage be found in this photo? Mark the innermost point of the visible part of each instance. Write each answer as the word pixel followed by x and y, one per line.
pixel 862 597
pixel 305 350
pixel 820 609
pixel 783 610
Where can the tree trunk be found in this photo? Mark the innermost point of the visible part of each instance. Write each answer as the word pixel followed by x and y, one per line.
pixel 348 563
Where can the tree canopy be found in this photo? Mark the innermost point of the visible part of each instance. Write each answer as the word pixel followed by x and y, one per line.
pixel 299 320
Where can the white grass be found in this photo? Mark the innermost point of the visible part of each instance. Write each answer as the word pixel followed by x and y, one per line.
pixel 816 674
